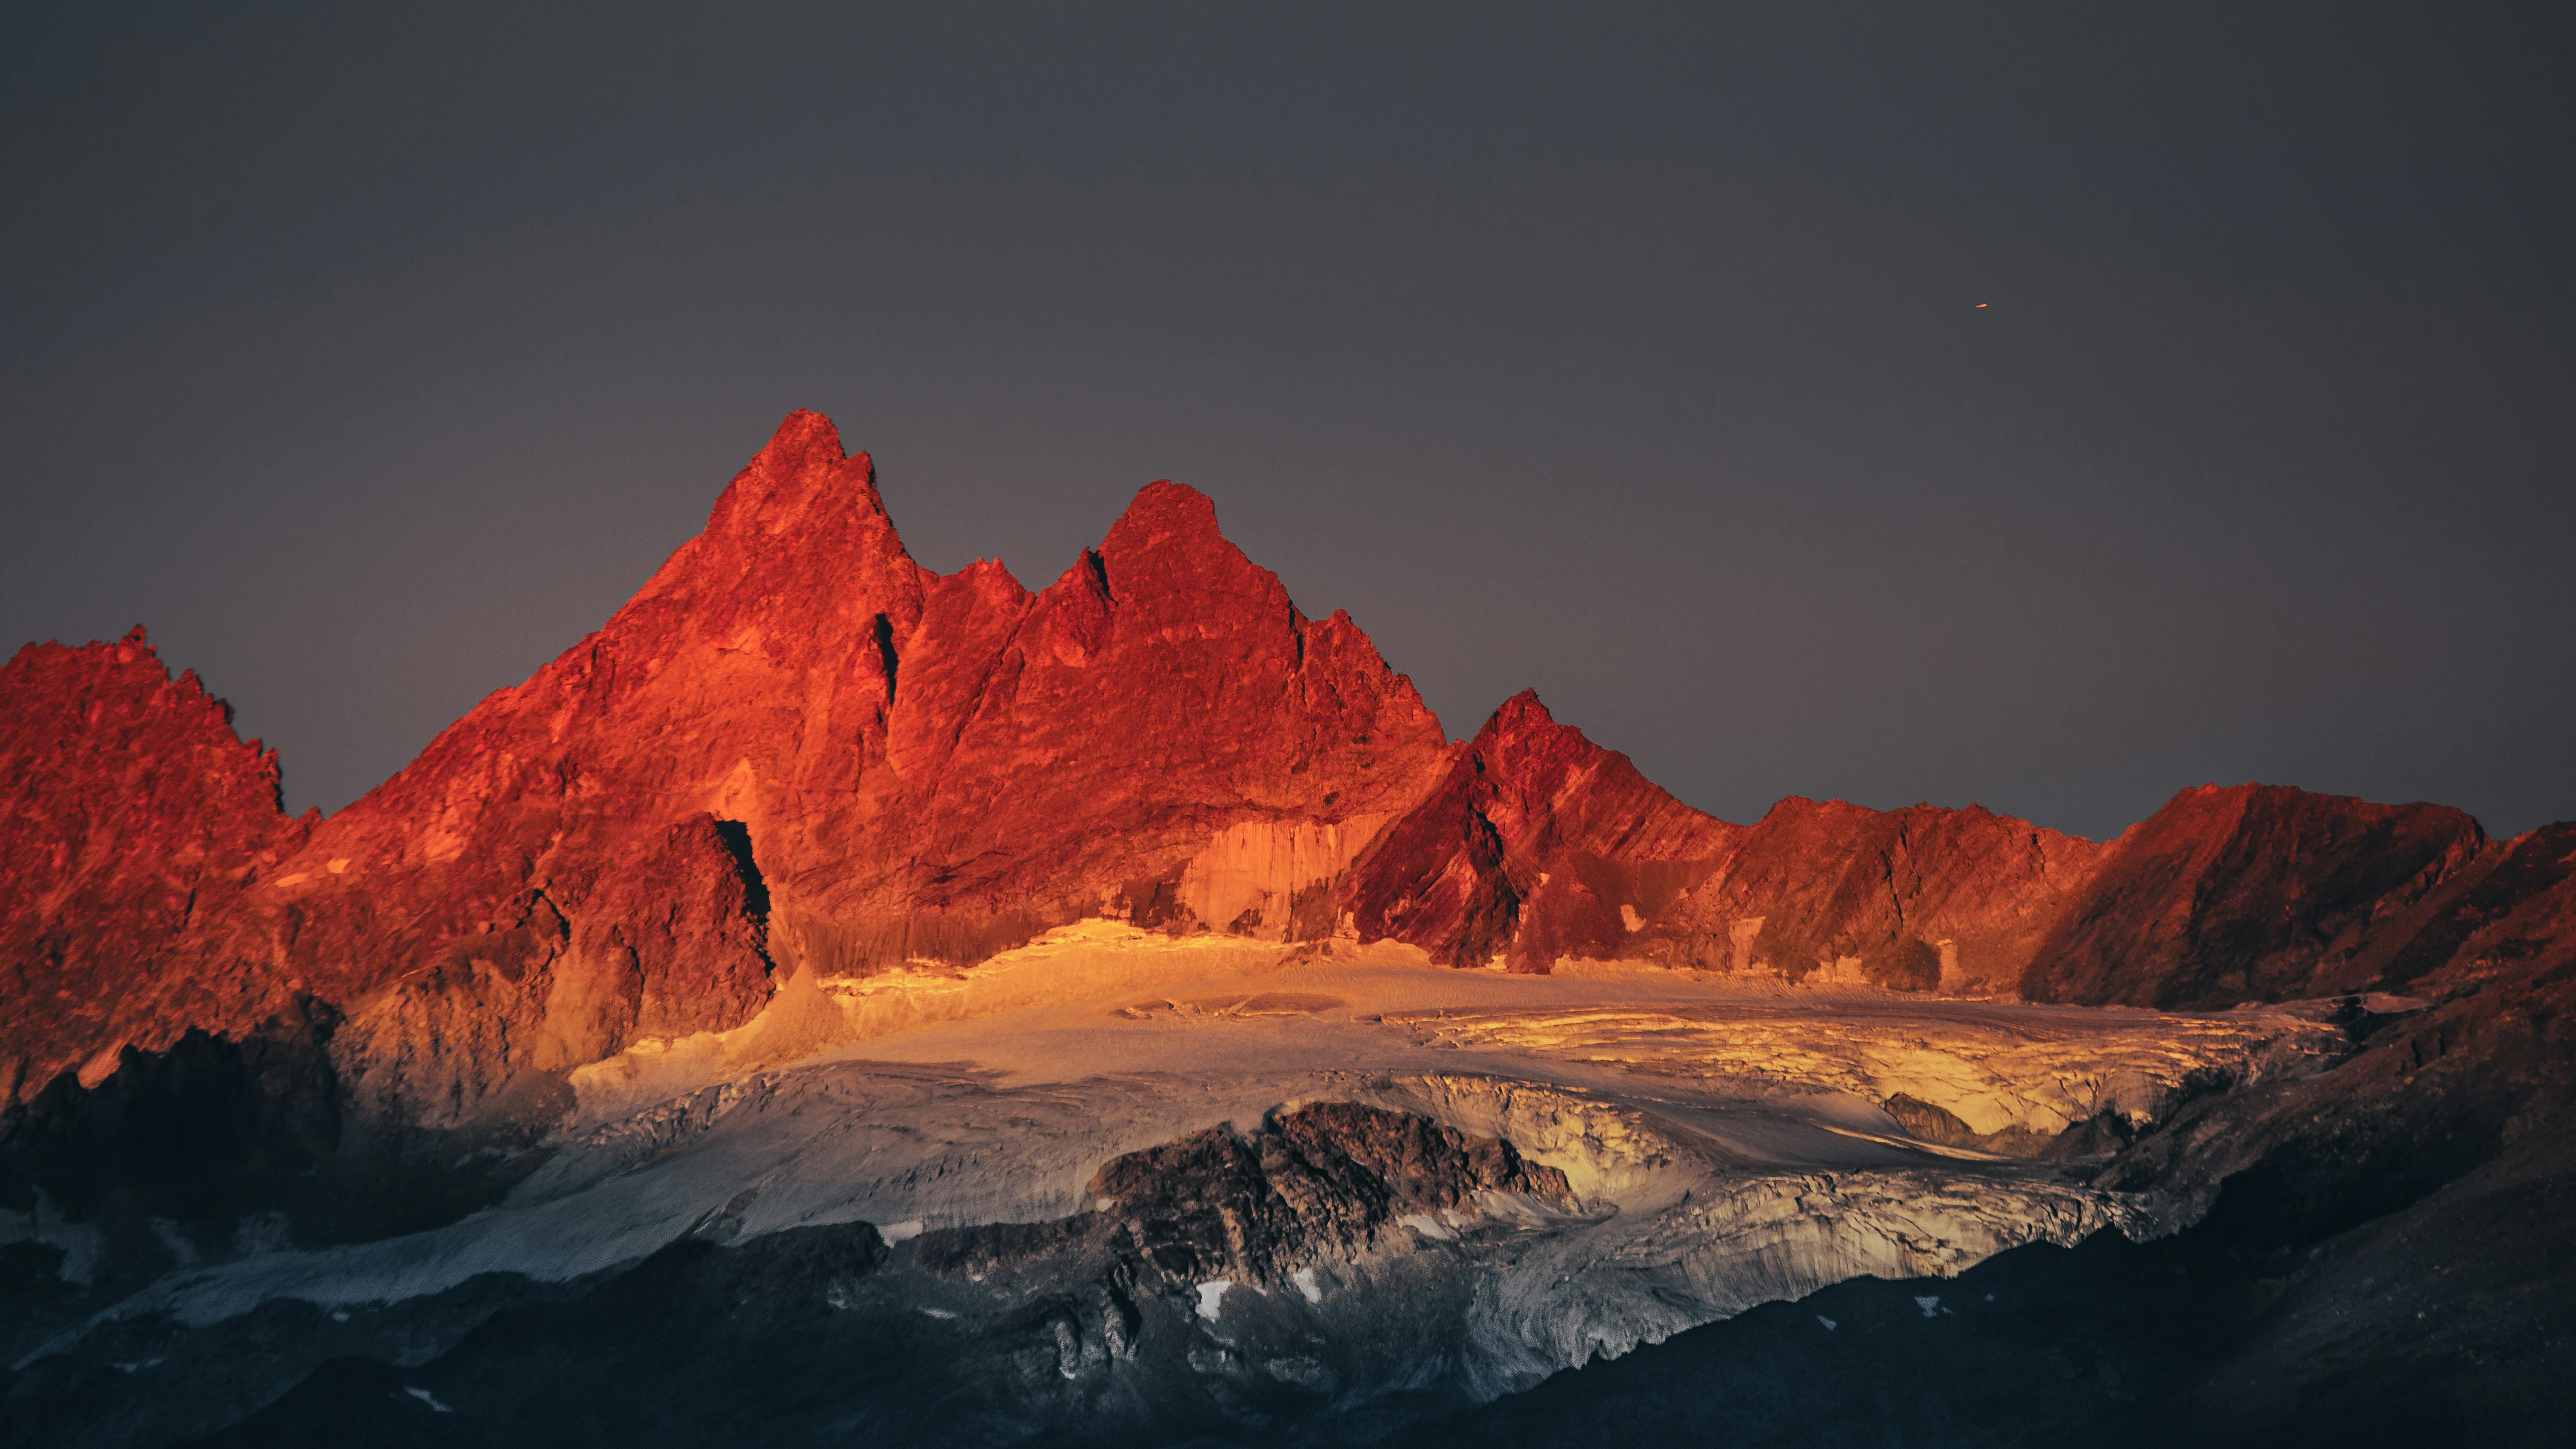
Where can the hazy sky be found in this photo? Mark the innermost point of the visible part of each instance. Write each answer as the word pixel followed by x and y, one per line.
pixel 1631 354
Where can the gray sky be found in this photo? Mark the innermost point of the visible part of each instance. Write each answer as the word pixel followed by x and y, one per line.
pixel 1634 357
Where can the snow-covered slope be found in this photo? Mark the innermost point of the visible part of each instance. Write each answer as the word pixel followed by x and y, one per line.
pixel 1720 1145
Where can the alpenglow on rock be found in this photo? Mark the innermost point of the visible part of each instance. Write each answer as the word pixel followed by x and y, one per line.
pixel 798 751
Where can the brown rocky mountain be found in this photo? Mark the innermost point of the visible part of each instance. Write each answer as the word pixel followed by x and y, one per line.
pixel 2250 894
pixel 797 750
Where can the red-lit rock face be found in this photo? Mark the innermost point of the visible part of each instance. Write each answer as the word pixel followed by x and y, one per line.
pixel 1912 899
pixel 1537 844
pixel 130 815
pixel 2251 893
pixel 797 750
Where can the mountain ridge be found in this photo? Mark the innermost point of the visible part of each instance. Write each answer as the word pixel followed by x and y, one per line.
pixel 798 750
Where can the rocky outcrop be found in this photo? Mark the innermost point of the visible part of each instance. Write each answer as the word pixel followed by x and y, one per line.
pixel 1911 899
pixel 1235 1284
pixel 794 750
pixel 1327 1178
pixel 1535 845
pixel 798 751
pixel 131 817
pixel 2250 893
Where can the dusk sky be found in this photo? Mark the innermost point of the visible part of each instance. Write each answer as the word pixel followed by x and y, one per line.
pixel 1631 354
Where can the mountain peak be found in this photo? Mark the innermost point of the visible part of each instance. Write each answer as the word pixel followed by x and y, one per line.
pixel 1167 547
pixel 1165 510
pixel 802 469
pixel 1519 714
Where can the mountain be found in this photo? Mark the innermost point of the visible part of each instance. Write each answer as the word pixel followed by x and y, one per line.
pixel 798 751
pixel 131 816
pixel 799 778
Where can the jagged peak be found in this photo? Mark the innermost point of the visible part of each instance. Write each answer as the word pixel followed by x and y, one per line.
pixel 988 579
pixel 989 573
pixel 803 465
pixel 1524 713
pixel 127 652
pixel 1167 547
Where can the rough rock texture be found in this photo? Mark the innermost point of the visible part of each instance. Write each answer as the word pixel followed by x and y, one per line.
pixel 2386 1260
pixel 1322 1179
pixel 1102 1328
pixel 2480 1057
pixel 796 750
pixel 130 815
pixel 1537 844
pixel 2253 893
pixel 1914 899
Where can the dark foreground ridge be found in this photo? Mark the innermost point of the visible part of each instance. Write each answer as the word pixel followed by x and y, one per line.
pixel 1072 1331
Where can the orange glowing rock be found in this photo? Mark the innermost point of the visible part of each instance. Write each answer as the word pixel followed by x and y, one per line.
pixel 798 751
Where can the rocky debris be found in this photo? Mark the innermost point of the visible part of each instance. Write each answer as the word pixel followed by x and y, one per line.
pixel 1930 1123
pixel 1328 1178
pixel 2099 1135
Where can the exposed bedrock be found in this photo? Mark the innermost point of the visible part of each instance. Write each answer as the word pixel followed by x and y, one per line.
pixel 796 752
pixel 912 767
pixel 2257 893
pixel 132 819
pixel 1324 1179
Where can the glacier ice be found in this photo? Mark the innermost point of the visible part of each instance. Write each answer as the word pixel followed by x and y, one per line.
pixel 1725 1146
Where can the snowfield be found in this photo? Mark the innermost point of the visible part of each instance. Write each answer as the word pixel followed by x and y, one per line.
pixel 1725 1142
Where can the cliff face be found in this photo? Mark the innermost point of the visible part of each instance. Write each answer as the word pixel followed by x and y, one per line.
pixel 1913 899
pixel 2252 893
pixel 131 816
pixel 796 750
pixel 1535 844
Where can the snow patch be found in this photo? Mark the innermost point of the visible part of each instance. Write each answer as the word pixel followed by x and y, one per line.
pixel 902 1232
pixel 1211 1295
pixel 1304 1278
pixel 1931 1306
pixel 426 1397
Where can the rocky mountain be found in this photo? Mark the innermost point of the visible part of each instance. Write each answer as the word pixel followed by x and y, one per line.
pixel 795 750
pixel 260 1065
pixel 131 818
pixel 798 751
